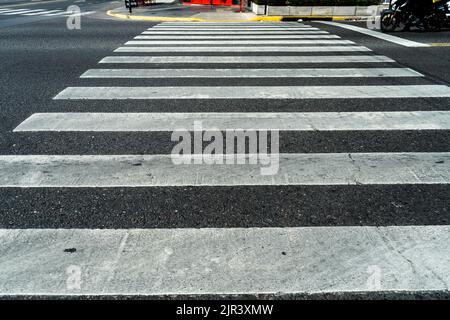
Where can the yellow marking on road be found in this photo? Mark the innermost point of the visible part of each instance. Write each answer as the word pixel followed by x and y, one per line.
pixel 440 44
pixel 178 19
pixel 258 18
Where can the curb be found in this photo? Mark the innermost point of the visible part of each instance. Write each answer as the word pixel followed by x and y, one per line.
pixel 175 19
pixel 262 18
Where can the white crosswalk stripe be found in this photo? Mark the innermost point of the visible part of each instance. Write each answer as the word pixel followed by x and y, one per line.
pixel 238 33
pixel 246 25
pixel 226 260
pixel 252 73
pixel 25 12
pixel 230 29
pixel 313 121
pixel 245 59
pixel 212 23
pixel 13 12
pixel 238 42
pixel 42 13
pixel 212 170
pixel 243 260
pixel 237 37
pixel 258 48
pixel 259 92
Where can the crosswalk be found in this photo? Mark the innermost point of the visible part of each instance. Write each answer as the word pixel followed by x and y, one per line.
pixel 40 13
pixel 168 61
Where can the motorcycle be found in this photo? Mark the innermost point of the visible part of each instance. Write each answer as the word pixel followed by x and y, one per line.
pixel 400 15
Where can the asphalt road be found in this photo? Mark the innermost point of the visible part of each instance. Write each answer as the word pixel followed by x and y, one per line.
pixel 40 57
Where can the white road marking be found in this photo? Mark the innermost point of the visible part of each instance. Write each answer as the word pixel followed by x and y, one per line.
pixel 224 23
pixel 251 73
pixel 236 42
pixel 67 14
pixel 227 24
pixel 21 11
pixel 12 10
pixel 312 121
pixel 237 37
pixel 232 28
pixel 257 92
pixel 308 260
pixel 246 49
pixel 42 12
pixel 93 171
pixel 245 59
pixel 377 34
pixel 235 29
pixel 155 32
pixel 33 12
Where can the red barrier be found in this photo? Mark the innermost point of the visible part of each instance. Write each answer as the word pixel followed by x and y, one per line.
pixel 209 2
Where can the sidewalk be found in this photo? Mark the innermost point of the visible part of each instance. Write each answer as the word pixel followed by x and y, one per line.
pixel 193 13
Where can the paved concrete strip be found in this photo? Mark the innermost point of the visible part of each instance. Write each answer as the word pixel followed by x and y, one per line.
pixel 377 34
pixel 251 73
pixel 236 42
pixel 245 59
pixel 92 171
pixel 237 37
pixel 257 92
pixel 313 121
pixel 155 32
pixel 153 262
pixel 246 49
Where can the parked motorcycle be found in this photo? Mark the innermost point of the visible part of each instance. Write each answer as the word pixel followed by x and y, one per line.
pixel 400 15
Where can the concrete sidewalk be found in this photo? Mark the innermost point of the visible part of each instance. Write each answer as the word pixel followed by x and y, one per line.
pixel 192 13
pixel 172 10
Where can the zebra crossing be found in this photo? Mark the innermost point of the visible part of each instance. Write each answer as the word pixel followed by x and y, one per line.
pixel 240 259
pixel 40 12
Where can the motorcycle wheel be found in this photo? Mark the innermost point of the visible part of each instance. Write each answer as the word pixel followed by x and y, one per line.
pixel 432 23
pixel 388 22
